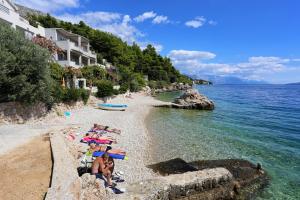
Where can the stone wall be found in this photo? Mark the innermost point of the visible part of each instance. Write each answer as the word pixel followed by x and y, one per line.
pixel 65 182
pixel 14 112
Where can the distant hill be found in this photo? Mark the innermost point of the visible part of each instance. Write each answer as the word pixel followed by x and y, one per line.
pixel 230 80
pixel 297 83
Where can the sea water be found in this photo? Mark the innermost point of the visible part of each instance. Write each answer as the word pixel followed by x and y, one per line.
pixel 260 123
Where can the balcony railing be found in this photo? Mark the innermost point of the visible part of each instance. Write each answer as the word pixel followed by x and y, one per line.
pixel 4 9
pixel 23 20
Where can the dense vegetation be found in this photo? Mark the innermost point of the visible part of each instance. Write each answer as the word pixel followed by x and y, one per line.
pixel 28 76
pixel 23 75
pixel 132 63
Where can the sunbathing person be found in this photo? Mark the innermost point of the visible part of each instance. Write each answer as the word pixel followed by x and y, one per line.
pixel 105 128
pixel 108 149
pixel 99 136
pixel 104 165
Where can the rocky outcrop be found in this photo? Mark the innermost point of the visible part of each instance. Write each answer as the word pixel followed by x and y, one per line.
pixel 177 186
pixel 245 182
pixel 192 99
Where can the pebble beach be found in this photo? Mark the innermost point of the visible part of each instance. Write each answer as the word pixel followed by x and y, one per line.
pixel 134 139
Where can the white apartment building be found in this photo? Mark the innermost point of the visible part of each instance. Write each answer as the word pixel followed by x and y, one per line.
pixel 9 15
pixel 76 49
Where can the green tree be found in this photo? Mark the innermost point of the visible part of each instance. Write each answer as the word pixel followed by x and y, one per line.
pixel 24 69
pixel 128 59
pixel 105 88
pixel 93 73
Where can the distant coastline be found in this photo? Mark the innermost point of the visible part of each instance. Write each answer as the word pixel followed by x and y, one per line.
pixel 297 83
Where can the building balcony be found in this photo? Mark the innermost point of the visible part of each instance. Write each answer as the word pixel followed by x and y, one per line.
pixel 69 45
pixel 69 63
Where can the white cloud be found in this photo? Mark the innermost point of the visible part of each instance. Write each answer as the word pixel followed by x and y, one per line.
pixel 190 55
pixel 197 63
pixel 212 22
pixel 160 19
pixel 158 47
pixel 267 60
pixel 115 23
pixel 196 23
pixel 92 18
pixel 49 5
pixel 145 16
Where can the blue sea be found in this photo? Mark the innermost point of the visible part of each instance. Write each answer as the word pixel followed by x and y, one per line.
pixel 260 123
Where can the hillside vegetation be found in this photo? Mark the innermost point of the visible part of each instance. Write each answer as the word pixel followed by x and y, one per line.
pixel 131 61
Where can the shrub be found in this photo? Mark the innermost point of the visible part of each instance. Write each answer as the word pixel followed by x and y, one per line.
pixel 105 88
pixel 93 73
pixel 85 95
pixel 24 69
pixel 116 92
pixel 56 71
pixel 152 84
pixel 73 95
pixel 161 84
pixel 134 86
pixel 123 88
pixel 57 92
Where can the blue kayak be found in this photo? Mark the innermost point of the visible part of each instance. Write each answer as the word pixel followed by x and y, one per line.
pixel 106 106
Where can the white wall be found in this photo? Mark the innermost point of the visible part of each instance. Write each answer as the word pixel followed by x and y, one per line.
pixel 9 14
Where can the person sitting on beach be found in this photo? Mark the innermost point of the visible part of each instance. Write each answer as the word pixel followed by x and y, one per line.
pixel 104 165
pixel 98 127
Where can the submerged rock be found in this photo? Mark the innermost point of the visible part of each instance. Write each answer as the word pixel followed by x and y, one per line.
pixel 192 99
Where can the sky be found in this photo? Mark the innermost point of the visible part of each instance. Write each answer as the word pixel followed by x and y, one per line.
pixel 249 39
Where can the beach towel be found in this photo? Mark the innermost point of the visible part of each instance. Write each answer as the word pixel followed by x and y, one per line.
pixel 112 155
pixel 88 139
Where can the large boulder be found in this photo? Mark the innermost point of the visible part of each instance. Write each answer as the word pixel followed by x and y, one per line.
pixel 192 99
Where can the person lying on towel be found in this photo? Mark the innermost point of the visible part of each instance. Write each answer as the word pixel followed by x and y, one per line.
pixel 100 140
pixel 98 127
pixel 99 136
pixel 104 165
pixel 104 148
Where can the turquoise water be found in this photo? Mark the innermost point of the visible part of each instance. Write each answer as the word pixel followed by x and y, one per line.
pixel 260 123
